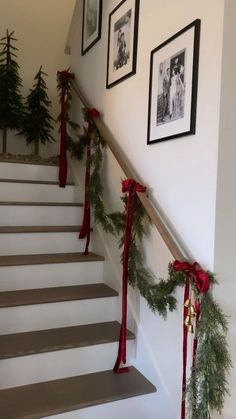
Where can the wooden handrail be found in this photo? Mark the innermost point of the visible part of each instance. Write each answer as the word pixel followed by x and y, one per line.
pixel 165 233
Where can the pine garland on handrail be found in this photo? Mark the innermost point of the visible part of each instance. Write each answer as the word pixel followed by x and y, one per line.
pixel 64 79
pixel 207 387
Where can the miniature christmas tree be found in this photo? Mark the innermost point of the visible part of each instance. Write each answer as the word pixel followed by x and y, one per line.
pixel 37 121
pixel 11 106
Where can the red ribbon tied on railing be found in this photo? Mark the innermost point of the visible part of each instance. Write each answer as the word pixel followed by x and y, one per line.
pixel 93 113
pixel 132 187
pixel 200 277
pixel 86 224
pixel 202 282
pixel 65 77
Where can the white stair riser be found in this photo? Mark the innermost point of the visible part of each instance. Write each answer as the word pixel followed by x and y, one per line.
pixel 50 275
pixel 14 215
pixel 61 314
pixel 141 407
pixel 36 243
pixel 59 364
pixel 29 172
pixel 41 193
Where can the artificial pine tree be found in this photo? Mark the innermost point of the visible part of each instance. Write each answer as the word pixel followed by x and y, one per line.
pixel 11 106
pixel 36 125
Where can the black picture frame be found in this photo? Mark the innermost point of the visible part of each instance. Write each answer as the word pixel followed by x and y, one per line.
pixel 91 25
pixel 174 80
pixel 122 42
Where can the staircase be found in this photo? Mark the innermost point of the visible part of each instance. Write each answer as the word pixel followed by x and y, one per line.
pixel 58 320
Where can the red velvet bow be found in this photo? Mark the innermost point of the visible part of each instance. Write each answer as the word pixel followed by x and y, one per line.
pixel 201 278
pixel 66 74
pixel 93 113
pixel 130 185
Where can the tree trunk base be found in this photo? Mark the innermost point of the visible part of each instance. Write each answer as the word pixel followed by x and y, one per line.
pixel 36 147
pixel 4 141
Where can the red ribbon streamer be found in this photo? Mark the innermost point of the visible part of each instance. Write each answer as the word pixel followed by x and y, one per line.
pixel 132 187
pixel 66 75
pixel 86 224
pixel 201 280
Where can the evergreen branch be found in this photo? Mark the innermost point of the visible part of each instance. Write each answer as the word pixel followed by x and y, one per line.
pixel 208 385
pixel 74 144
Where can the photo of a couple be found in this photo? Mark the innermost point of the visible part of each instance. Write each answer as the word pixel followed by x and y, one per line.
pixel 122 33
pixel 91 18
pixel 171 89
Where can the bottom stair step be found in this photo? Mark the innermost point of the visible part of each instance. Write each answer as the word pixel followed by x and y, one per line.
pixel 53 397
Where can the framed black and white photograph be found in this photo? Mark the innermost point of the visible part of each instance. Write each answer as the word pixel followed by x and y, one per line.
pixel 173 86
pixel 122 42
pixel 92 22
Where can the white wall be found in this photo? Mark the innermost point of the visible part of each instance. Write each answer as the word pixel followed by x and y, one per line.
pixel 226 195
pixel 41 28
pixel 181 174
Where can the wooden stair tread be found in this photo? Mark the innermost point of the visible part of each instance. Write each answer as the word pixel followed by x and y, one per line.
pixel 54 397
pixel 40 229
pixel 49 340
pixel 34 182
pixel 41 204
pixel 55 294
pixel 48 258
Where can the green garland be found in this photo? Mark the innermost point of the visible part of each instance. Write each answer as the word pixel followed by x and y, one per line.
pixel 158 296
pixel 207 386
pixel 64 84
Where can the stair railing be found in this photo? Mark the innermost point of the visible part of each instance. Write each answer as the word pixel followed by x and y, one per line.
pixel 164 231
pixel 197 294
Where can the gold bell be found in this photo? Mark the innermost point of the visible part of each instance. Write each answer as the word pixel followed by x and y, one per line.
pixel 187 303
pixel 192 311
pixel 190 328
pixel 188 321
